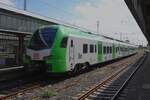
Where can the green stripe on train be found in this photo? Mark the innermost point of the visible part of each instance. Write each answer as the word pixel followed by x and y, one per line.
pixel 58 58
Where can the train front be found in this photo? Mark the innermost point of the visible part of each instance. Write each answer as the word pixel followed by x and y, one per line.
pixel 39 49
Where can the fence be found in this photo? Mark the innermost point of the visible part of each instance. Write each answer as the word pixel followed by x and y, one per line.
pixel 12 47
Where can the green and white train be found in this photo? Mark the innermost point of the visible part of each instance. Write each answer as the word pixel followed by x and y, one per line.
pixel 59 49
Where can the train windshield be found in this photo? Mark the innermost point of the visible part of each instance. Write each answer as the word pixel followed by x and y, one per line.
pixel 43 38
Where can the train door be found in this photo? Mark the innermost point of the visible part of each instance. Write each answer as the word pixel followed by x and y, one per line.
pixel 106 51
pixel 119 53
pixel 71 53
pixel 100 52
pixel 113 52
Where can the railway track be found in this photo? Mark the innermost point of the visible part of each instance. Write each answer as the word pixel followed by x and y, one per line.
pixel 35 85
pixel 19 86
pixel 111 87
pixel 82 79
pixel 20 91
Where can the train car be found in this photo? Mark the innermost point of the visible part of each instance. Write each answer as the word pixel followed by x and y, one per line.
pixel 59 49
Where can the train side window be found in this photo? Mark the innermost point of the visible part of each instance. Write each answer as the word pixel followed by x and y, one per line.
pixel 108 50
pixel 116 49
pixel 104 49
pixel 95 49
pixel 85 48
pixel 91 48
pixel 63 43
pixel 71 43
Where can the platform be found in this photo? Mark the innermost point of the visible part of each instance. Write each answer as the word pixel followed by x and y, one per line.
pixel 139 86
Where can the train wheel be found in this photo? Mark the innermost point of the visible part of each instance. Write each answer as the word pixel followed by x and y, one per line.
pixel 77 69
pixel 87 65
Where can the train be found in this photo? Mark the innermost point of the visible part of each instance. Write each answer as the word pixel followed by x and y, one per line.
pixel 60 49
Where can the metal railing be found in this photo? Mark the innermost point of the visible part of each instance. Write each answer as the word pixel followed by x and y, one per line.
pixel 12 47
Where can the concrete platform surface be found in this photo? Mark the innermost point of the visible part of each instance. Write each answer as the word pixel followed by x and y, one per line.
pixel 139 86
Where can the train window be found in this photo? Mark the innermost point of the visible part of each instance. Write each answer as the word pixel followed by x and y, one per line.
pixel 107 49
pixel 85 48
pixel 110 49
pixel 71 43
pixel 36 43
pixel 104 49
pixel 120 48
pixel 95 48
pixel 91 48
pixel 64 42
pixel 116 49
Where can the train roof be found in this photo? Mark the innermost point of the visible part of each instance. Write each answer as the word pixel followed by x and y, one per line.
pixel 88 35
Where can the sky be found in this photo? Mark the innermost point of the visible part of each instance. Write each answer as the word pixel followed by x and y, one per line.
pixel 114 17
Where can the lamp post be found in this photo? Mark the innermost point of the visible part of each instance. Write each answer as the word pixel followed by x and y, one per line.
pixel 25 5
pixel 98 26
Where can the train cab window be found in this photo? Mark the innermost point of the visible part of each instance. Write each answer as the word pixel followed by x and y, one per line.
pixel 63 43
pixel 91 48
pixel 95 49
pixel 43 38
pixel 85 48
